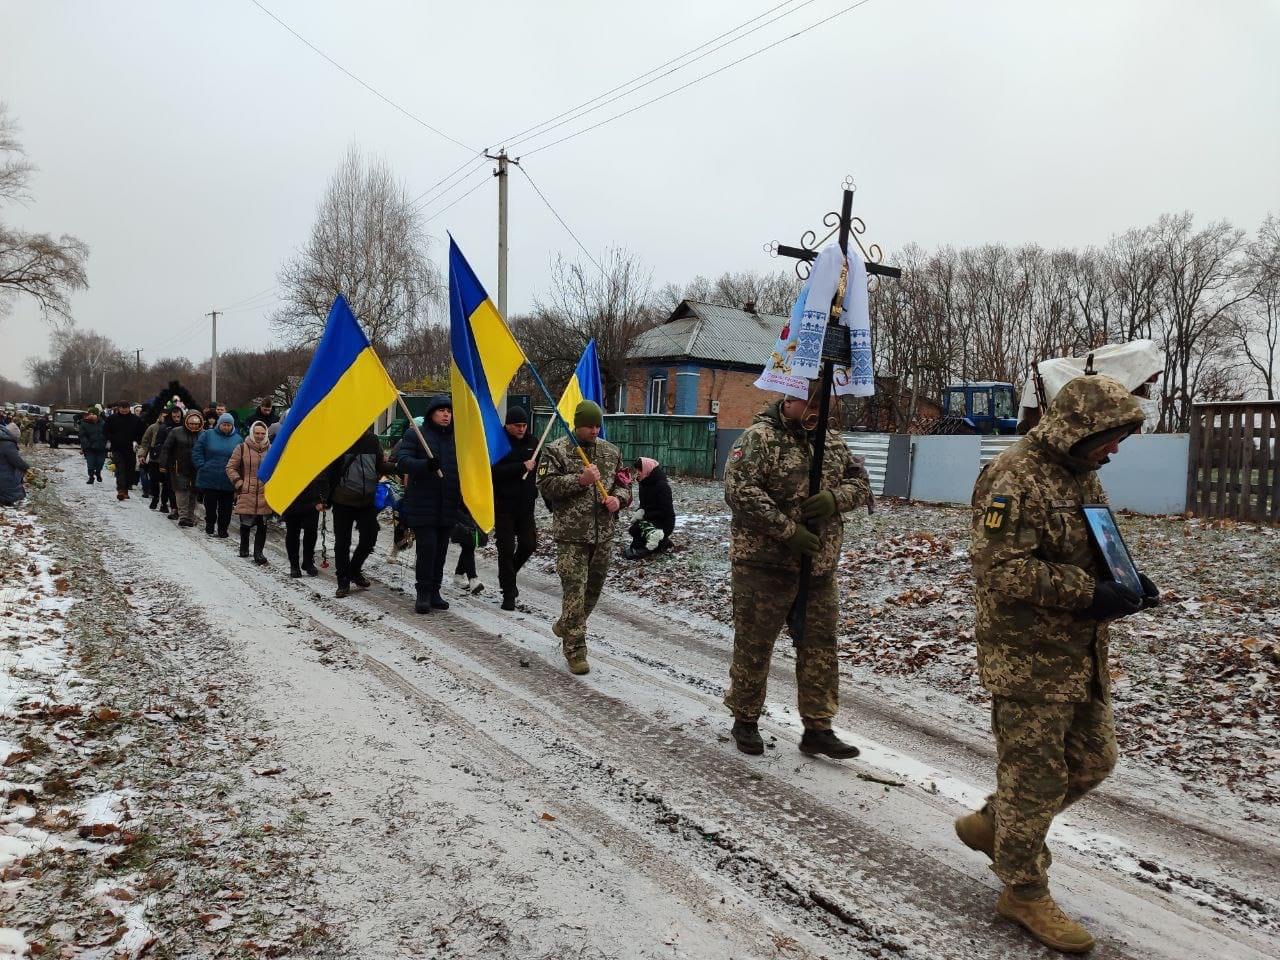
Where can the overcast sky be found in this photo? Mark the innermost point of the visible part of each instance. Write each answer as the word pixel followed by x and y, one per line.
pixel 188 142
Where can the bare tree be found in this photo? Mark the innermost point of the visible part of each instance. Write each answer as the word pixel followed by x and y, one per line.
pixel 610 304
pixel 368 244
pixel 1255 328
pixel 36 265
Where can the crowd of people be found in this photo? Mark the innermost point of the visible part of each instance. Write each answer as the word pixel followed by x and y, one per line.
pixel 189 460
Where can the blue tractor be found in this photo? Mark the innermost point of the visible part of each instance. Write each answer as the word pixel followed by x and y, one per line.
pixel 982 407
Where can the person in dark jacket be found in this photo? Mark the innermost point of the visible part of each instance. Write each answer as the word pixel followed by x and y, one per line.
pixel 176 462
pixel 93 443
pixel 161 487
pixel 210 455
pixel 123 430
pixel 12 468
pixel 301 523
pixel 431 504
pixel 515 491
pixel 265 414
pixel 651 531
pixel 351 486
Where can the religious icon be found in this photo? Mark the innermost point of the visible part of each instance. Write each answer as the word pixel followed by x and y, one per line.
pixel 1106 538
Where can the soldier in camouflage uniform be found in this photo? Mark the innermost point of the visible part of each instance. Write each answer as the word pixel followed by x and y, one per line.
pixel 766 484
pixel 582 523
pixel 1043 600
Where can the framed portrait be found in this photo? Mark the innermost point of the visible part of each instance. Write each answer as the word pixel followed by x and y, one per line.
pixel 1110 545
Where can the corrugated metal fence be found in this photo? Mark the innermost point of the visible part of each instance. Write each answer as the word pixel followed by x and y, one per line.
pixel 683 445
pixel 874 449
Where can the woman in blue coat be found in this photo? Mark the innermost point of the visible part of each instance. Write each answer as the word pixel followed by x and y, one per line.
pixel 210 454
pixel 432 500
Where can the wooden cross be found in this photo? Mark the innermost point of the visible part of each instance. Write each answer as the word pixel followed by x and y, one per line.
pixel 835 349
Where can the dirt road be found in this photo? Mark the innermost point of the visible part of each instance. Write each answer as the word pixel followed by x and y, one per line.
pixel 460 794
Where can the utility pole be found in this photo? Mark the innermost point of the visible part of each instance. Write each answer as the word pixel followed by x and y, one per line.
pixel 102 400
pixel 213 368
pixel 502 174
pixel 138 357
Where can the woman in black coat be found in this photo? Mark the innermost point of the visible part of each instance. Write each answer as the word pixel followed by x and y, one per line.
pixel 432 501
pixel 656 519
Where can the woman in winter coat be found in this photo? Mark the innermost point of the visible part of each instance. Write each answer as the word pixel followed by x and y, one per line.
pixel 161 487
pixel 431 503
pixel 211 455
pixel 12 467
pixel 651 532
pixel 93 443
pixel 177 465
pixel 251 505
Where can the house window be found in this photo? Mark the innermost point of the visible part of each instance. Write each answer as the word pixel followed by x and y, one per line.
pixel 657 400
pixel 620 400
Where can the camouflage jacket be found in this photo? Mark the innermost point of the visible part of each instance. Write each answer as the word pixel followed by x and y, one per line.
pixel 577 515
pixel 1034 566
pixel 766 480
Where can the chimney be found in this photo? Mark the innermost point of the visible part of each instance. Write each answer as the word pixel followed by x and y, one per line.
pixel 749 306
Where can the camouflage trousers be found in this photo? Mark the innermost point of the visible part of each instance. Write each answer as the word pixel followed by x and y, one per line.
pixel 1049 755
pixel 762 599
pixel 582 568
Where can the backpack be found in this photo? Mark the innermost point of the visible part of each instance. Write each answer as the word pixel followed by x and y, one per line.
pixel 359 483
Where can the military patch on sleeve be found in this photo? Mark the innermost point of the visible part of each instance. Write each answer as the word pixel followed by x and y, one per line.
pixel 997 512
pixel 543 467
pixel 736 455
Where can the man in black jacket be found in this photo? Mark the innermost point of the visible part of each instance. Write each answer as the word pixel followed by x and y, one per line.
pixel 123 429
pixel 515 490
pixel 432 501
pixel 351 487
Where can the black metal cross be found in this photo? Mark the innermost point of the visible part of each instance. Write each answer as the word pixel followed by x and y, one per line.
pixel 835 349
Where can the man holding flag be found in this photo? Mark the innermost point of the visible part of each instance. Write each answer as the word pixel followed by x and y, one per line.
pixel 585 501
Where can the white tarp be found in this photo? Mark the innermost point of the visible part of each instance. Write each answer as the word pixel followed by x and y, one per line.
pixel 1133 364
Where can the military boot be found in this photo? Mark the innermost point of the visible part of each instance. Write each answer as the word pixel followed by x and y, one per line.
pixel 825 742
pixel 746 734
pixel 578 663
pixel 1045 921
pixel 977 832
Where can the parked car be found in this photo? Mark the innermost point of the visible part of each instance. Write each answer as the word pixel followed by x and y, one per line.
pixel 64 427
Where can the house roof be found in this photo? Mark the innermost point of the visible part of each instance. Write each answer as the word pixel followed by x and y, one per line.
pixel 708 331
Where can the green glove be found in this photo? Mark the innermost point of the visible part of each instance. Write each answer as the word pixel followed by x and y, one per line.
pixel 803 542
pixel 820 506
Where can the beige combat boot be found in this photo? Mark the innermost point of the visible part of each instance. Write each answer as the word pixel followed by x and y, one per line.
pixel 977 832
pixel 1045 921
pixel 578 664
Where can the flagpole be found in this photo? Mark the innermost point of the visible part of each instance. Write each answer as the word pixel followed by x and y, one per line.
pixel 604 494
pixel 551 422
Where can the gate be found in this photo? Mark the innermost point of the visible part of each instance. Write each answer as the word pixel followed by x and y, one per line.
pixel 1233 470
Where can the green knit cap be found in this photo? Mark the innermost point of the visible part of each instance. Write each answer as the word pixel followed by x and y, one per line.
pixel 587 414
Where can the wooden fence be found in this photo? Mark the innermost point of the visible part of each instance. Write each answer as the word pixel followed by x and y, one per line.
pixel 1233 470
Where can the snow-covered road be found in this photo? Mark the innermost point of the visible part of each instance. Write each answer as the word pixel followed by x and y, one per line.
pixel 462 795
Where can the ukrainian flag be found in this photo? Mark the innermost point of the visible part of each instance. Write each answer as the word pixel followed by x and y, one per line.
pixel 344 390
pixel 485 356
pixel 585 384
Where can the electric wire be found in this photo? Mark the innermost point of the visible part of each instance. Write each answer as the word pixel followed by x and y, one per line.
pixel 555 213
pixel 421 199
pixel 523 133
pixel 377 93
pixel 458 200
pixel 256 296
pixel 519 138
pixel 699 79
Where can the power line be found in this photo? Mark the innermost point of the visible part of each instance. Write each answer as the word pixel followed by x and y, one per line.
pixel 459 200
pixel 381 96
pixel 699 79
pixel 256 296
pixel 483 178
pixel 423 207
pixel 566 226
pixel 575 111
pixel 419 199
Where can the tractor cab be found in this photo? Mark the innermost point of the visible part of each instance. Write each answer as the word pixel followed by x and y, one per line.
pixel 984 407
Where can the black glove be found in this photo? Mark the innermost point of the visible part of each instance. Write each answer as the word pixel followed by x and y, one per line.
pixel 1111 601
pixel 1150 592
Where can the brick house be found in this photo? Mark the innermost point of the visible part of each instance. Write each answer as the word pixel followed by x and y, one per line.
pixel 701 362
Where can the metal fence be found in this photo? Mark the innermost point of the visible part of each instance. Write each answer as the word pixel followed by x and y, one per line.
pixel 683 445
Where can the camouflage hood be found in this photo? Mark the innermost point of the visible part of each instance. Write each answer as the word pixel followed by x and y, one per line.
pixel 1084 408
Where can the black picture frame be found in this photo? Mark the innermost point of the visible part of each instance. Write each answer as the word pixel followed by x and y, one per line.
pixel 1107 540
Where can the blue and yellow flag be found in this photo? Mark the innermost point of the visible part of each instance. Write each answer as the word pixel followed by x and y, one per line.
pixel 485 358
pixel 344 390
pixel 585 384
